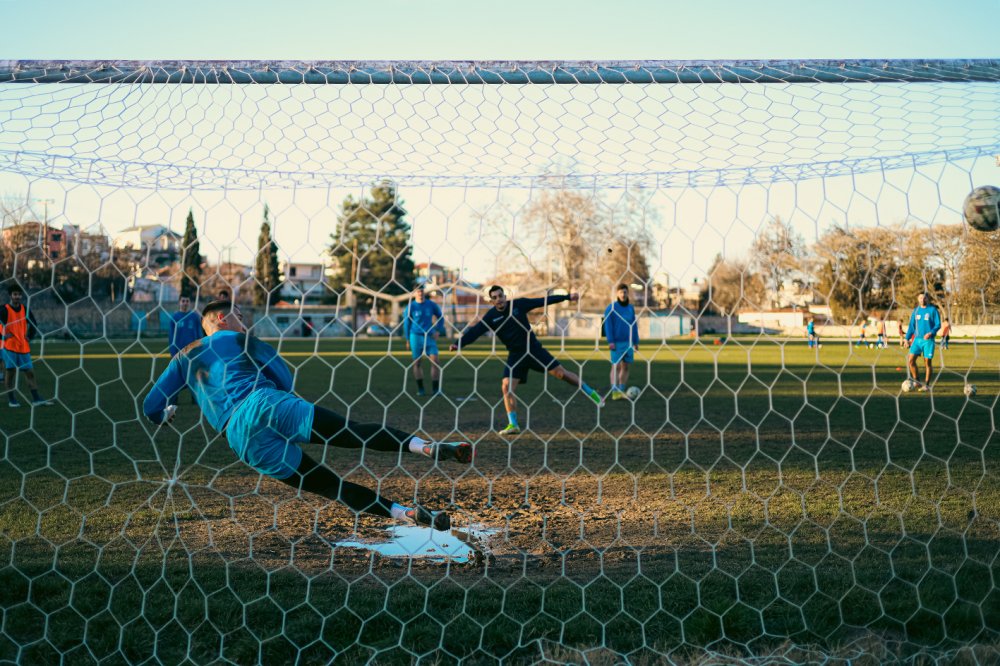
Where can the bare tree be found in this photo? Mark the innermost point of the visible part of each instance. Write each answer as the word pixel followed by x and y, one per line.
pixel 979 276
pixel 22 254
pixel 776 254
pixel 732 286
pixel 859 269
pixel 573 239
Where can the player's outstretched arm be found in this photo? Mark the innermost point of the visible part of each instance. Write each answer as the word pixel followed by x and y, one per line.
pixel 164 390
pixel 533 303
pixel 473 333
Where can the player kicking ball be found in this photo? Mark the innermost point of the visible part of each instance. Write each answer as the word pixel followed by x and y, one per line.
pixel 244 389
pixel 509 322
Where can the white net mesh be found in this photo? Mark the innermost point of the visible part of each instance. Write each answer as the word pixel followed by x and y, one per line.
pixel 768 495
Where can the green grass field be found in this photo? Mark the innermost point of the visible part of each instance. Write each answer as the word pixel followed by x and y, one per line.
pixel 759 497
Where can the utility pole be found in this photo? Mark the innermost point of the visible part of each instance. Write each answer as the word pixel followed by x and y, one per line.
pixel 45 225
pixel 354 279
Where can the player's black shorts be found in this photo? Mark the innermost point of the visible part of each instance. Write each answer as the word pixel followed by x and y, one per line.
pixel 535 358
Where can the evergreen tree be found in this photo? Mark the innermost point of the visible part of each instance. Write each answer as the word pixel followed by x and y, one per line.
pixel 191 260
pixel 372 248
pixel 267 274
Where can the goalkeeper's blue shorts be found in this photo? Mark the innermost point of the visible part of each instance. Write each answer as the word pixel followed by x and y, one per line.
pixel 265 429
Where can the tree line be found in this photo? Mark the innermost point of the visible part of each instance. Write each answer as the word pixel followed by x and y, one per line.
pixel 864 271
pixel 579 240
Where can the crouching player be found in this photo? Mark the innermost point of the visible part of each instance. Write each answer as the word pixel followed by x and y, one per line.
pixel 244 389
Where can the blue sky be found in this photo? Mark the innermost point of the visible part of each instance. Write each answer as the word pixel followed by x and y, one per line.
pixel 515 29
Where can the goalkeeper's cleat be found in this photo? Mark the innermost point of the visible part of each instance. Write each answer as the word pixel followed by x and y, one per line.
pixel 510 430
pixel 438 520
pixel 42 402
pixel 618 395
pixel 421 393
pixel 596 397
pixel 13 403
pixel 460 451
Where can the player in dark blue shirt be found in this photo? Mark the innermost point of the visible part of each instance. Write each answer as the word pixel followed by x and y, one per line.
pixel 244 390
pixel 423 322
pixel 509 323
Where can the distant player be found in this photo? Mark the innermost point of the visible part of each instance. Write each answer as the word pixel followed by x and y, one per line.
pixel 880 333
pixel 18 327
pixel 509 322
pixel 423 322
pixel 811 335
pixel 902 333
pixel 244 389
pixel 945 333
pixel 925 322
pixel 863 337
pixel 183 326
pixel 622 332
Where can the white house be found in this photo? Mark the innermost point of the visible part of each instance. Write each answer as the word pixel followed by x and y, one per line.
pixel 155 238
pixel 303 281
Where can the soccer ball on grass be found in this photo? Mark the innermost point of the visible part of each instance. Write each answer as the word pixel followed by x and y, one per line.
pixel 908 385
pixel 633 392
pixel 980 208
pixel 969 390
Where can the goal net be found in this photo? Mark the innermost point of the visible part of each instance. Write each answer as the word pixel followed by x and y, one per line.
pixel 781 475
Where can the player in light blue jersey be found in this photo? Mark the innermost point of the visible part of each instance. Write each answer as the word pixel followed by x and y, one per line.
pixel 811 335
pixel 183 326
pixel 925 322
pixel 423 322
pixel 622 332
pixel 244 389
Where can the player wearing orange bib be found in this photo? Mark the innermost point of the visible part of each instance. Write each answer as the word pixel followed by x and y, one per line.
pixel 18 328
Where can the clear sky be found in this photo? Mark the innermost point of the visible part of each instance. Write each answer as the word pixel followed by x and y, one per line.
pixel 514 29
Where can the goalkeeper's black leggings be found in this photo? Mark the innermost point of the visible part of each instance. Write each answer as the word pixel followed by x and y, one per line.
pixel 332 429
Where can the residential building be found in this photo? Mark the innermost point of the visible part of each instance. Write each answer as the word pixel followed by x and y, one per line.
pixel 303 281
pixel 157 243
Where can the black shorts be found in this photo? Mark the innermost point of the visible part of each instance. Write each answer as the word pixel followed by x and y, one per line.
pixel 536 358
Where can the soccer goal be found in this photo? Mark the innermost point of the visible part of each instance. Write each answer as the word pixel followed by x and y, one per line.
pixel 719 334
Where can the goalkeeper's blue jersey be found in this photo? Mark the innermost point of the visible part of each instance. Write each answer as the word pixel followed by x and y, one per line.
pixel 221 370
pixel 923 321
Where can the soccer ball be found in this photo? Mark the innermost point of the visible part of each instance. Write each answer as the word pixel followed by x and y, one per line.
pixel 633 392
pixel 908 385
pixel 969 390
pixel 981 208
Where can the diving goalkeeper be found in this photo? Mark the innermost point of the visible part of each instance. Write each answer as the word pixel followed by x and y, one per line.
pixel 244 389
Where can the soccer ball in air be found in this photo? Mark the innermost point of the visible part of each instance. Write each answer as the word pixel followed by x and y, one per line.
pixel 981 208
pixel 633 392
pixel 969 390
pixel 908 385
